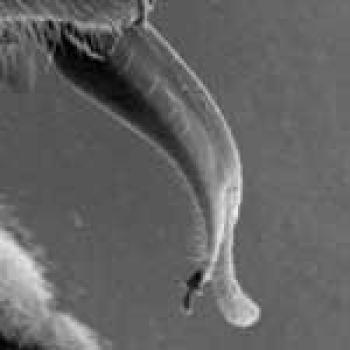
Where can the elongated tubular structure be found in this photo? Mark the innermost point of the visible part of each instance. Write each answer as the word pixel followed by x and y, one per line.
pixel 139 80
pixel 142 83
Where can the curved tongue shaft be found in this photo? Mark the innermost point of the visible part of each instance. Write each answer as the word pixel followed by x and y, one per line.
pixel 142 83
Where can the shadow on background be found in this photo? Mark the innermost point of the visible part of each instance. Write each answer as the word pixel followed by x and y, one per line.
pixel 116 221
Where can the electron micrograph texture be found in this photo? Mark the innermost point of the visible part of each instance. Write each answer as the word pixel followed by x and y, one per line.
pixel 120 231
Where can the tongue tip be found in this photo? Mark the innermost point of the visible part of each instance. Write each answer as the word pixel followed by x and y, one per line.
pixel 237 308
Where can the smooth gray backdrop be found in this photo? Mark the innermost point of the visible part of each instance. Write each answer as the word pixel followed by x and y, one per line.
pixel 116 221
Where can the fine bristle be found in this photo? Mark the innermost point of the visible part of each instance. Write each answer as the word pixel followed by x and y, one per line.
pixel 29 318
pixel 75 11
pixel 24 40
pixel 29 27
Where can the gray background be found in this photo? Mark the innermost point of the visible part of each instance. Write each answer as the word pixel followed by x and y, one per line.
pixel 116 221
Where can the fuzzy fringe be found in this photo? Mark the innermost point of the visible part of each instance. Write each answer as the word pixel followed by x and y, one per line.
pixel 29 316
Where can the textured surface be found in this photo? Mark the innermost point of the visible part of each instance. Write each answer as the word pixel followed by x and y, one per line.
pixel 8 345
pixel 116 221
pixel 81 10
